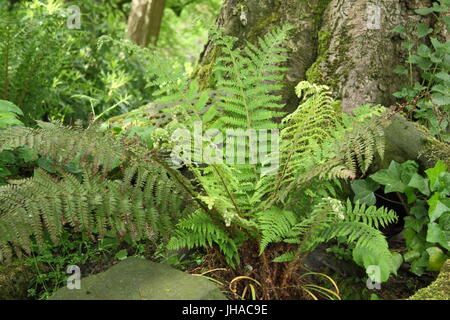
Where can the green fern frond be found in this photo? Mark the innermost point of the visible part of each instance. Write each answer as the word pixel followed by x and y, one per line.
pixel 198 230
pixel 274 224
pixel 92 149
pixel 246 81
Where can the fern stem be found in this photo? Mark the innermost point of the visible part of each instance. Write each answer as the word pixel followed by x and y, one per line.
pixel 230 194
pixel 215 216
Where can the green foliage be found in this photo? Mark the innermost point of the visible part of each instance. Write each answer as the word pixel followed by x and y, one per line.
pixel 50 261
pixel 332 219
pixel 428 98
pixel 29 58
pixel 184 28
pixel 53 72
pixel 91 182
pixel 319 146
pixel 11 161
pixel 9 114
pixel 427 226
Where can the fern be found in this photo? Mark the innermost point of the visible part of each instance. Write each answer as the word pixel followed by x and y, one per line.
pixel 274 224
pixel 234 203
pixel 331 219
pixel 66 144
pixel 198 230
pixel 319 147
pixel 246 82
pixel 29 58
pixel 133 196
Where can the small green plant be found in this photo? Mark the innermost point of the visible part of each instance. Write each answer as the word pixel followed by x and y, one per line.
pixel 429 97
pixel 427 225
pixel 51 260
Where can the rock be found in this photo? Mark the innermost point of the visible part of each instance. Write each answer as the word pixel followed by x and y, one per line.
pixel 439 289
pixel 15 280
pixel 139 279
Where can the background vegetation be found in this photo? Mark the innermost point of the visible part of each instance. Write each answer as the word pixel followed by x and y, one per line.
pixel 86 120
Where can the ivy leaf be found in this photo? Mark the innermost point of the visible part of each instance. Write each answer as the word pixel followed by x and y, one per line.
pixel 423 30
pixel 419 210
pixel 420 183
pixel 414 224
pixel 424 11
pixel 411 256
pixel 408 45
pixel 122 254
pixel 436 235
pixel 414 240
pixel 418 266
pixel 46 164
pixel 27 155
pixel 410 195
pixel 364 191
pixel 434 173
pixel 4 172
pixel 396 177
pixel 436 259
pixel 437 208
pixel 401 70
pixel 399 29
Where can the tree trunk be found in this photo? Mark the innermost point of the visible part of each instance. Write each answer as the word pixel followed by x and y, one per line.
pixel 144 22
pixel 347 45
pixel 251 19
pixel 360 52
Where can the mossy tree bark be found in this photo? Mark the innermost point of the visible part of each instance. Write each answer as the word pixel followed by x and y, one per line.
pixel 360 50
pixel 248 20
pixel 347 45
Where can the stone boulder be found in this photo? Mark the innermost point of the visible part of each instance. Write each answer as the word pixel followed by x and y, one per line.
pixel 15 280
pixel 439 289
pixel 139 279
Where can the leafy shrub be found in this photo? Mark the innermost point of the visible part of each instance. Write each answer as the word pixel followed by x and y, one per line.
pixel 53 72
pixel 428 98
pixel 427 226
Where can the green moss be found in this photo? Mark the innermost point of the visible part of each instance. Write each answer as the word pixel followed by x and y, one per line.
pixel 320 9
pixel 15 280
pixel 262 27
pixel 436 150
pixel 324 72
pixel 204 71
pixel 314 74
pixel 439 289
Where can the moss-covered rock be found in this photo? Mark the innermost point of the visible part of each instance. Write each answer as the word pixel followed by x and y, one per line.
pixel 439 289
pixel 139 279
pixel 15 280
